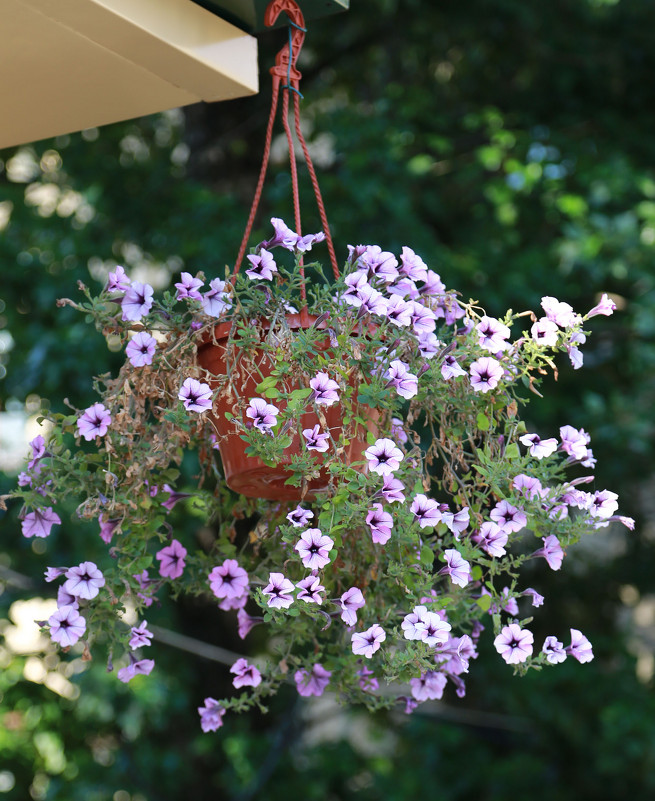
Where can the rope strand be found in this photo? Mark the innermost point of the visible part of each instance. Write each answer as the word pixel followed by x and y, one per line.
pixel 285 62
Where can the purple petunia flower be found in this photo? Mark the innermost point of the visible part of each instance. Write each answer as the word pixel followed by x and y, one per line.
pixel 574 442
pixel 84 580
pixel 371 301
pixel 299 517
pixel 141 668
pixel 24 479
pixel 405 288
pixel 514 644
pixel 325 390
pixel 245 622
pixel 310 590
pixel 606 307
pixel 216 300
pixel 380 263
pixel 529 486
pixel 53 573
pixel 188 287
pixel 603 504
pixel 312 682
pixel 279 590
pixel 458 521
pixel 537 599
pixel 367 681
pixel 94 422
pixel 140 636
pixel 424 320
pixel 454 656
pixel 284 236
pixel 174 497
pixel 429 345
pixel 245 675
pixel 539 448
pixel 559 312
pixel 412 625
pixel 456 567
pixel 117 281
pixel 575 354
pixel 145 583
pixel 580 647
pixel 211 715
pixel 38 451
pixel 383 456
pixel 380 523
pixel 66 626
pixel 485 373
pixel 316 440
pixel 410 703
pixel 433 286
pixel 552 552
pixel 398 430
pixel 233 603
pixel 368 642
pixel 172 560
pixel 428 686
pixel 107 528
pixel 398 376
pixel 545 332
pixel 313 548
pixel 492 334
pixel 66 599
pixel 392 489
pixel 262 266
pixel 229 580
pixel 263 414
pixel 39 523
pixel 398 311
pixel 305 243
pixel 350 602
pixel 426 511
pixel 492 539
pixel 554 650
pixel 508 517
pixel 451 368
pixel 141 348
pixel 413 266
pixel 426 626
pixel 137 301
pixel 354 282
pixel 195 395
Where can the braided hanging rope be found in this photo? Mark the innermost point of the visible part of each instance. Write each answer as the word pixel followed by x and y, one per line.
pixel 285 68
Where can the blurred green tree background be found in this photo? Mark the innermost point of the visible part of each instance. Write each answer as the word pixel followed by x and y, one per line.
pixel 511 145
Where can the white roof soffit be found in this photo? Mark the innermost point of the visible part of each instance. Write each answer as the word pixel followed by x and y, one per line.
pixel 75 64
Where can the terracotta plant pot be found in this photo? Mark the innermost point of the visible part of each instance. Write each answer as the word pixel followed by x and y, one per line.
pixel 249 475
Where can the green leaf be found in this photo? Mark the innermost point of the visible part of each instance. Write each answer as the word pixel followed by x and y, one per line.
pixel 300 394
pixel 269 381
pixel 427 556
pixel 483 422
pixel 484 602
pixel 512 451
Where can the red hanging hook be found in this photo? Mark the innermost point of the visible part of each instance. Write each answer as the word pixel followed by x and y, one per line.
pixel 283 68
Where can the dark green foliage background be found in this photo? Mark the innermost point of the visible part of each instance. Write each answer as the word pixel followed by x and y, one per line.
pixel 511 144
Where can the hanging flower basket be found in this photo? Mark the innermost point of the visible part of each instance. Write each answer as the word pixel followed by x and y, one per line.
pixel 387 404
